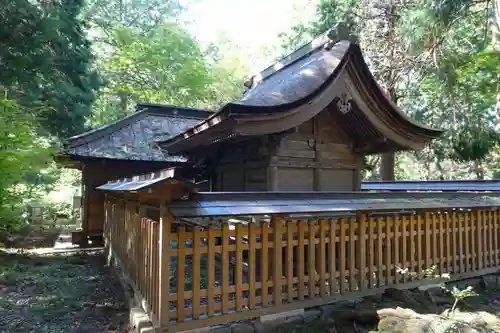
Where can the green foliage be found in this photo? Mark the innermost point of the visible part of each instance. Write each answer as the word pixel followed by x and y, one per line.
pixel 165 65
pixel 328 15
pixel 45 61
pixel 22 152
pixel 434 56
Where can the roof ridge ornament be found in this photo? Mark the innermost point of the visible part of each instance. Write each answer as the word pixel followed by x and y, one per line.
pixel 341 32
pixel 344 103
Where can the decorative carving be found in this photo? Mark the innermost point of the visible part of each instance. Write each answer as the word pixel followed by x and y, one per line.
pixel 344 103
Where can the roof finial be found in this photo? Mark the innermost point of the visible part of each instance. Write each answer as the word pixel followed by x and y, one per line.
pixel 341 31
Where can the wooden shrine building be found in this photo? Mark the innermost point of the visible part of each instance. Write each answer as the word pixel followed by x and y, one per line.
pixel 122 149
pixel 257 209
pixel 304 124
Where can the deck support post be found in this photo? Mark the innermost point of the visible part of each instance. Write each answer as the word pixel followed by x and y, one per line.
pixel 164 258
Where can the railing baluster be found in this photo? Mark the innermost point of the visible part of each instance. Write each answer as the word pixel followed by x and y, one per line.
pixel 239 267
pixel 480 239
pixel 456 230
pixel 441 244
pixel 211 284
pixel 289 259
pixel 380 252
pixel 332 267
pixel 361 253
pixel 164 258
pixel 277 259
pixel 434 229
pixel 490 238
pixel 225 268
pixel 404 246
pixel 495 236
pixel 311 267
pixel 388 247
pixel 396 240
pixel 371 252
pixel 196 272
pixel 181 260
pixel 461 233
pixel 322 257
pixel 342 255
pixel 301 260
pixel 264 271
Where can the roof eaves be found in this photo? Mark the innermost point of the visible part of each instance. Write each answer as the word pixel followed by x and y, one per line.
pixel 362 68
pixel 183 112
pixel 88 136
pixel 143 110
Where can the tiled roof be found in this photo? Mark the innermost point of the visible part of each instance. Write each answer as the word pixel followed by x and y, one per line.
pixel 134 137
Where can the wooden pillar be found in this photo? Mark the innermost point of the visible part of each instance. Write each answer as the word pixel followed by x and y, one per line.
pixel 164 259
pixel 276 258
pixel 272 178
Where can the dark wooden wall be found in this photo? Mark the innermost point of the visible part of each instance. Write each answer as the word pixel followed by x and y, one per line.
pixel 98 172
pixel 316 156
pixel 242 167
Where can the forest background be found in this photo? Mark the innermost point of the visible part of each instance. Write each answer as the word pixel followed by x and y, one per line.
pixel 67 66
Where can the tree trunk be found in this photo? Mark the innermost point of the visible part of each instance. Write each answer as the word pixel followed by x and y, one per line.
pixel 387 167
pixel 387 162
pixel 478 170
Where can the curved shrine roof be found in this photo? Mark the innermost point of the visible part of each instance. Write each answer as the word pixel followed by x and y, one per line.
pixel 323 75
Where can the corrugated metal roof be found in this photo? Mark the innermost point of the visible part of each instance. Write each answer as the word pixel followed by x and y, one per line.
pixel 215 204
pixel 433 185
pixel 139 182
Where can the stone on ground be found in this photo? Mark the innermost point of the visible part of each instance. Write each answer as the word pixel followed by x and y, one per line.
pixel 401 320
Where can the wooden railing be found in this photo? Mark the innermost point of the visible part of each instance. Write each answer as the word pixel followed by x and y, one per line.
pixel 134 239
pixel 212 274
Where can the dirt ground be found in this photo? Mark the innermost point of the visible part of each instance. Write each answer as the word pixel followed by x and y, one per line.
pixel 59 293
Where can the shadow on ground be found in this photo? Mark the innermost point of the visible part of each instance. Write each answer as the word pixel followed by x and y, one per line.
pixel 32 239
pixel 60 293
